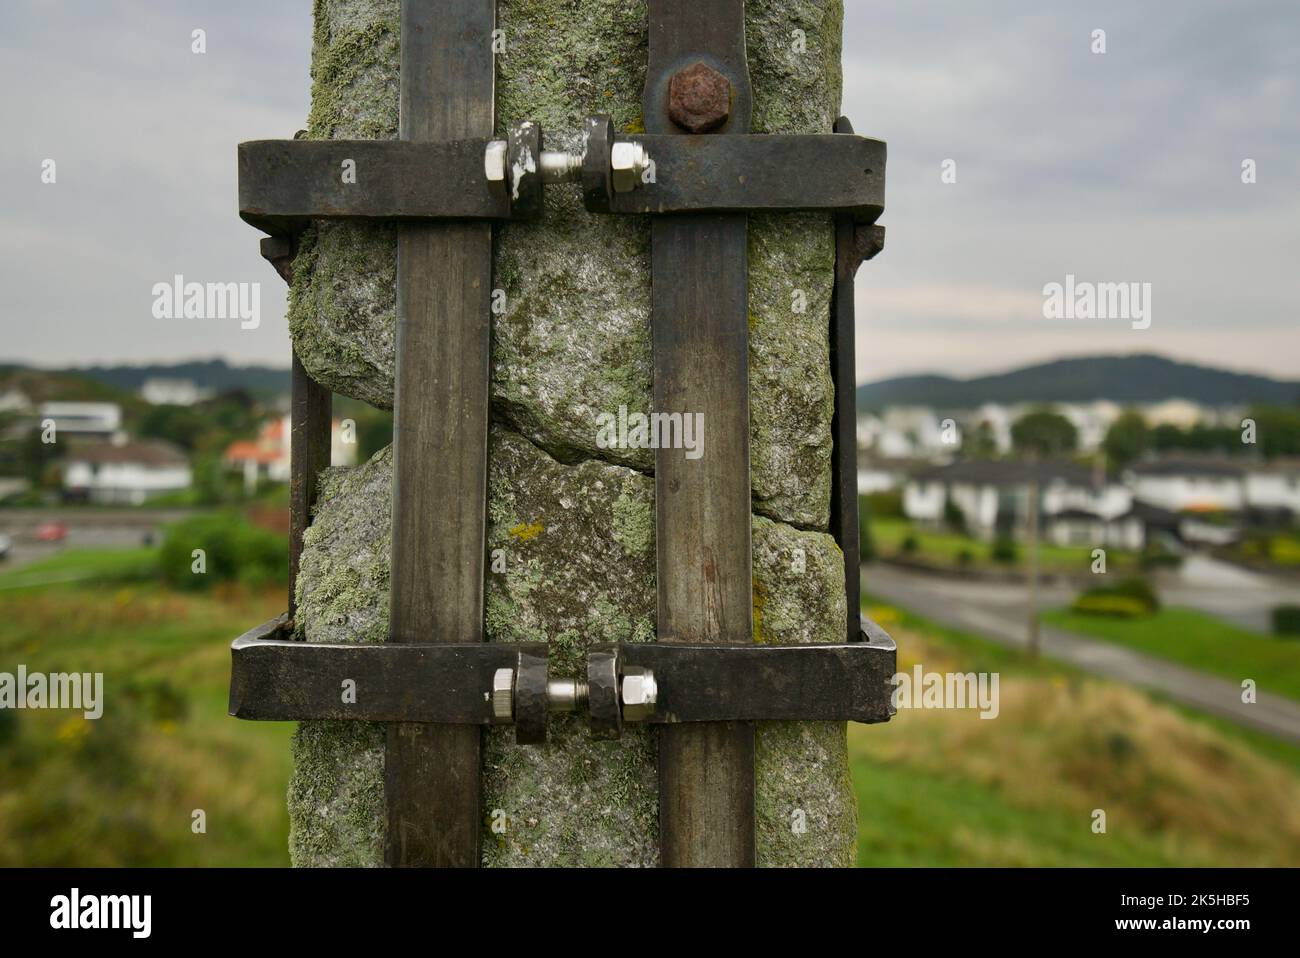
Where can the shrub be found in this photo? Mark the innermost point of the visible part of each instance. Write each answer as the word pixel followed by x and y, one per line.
pixel 1100 603
pixel 1286 620
pixel 1157 556
pixel 1003 550
pixel 234 551
pixel 909 545
pixel 885 504
pixel 953 517
pixel 1128 598
pixel 866 544
pixel 1140 590
pixel 965 558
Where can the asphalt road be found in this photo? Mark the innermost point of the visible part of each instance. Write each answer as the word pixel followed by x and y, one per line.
pixel 997 611
pixel 88 528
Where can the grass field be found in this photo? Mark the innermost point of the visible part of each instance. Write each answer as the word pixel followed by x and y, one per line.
pixel 1198 641
pixel 948 788
pixel 101 566
pixel 945 548
pixel 934 787
pixel 122 790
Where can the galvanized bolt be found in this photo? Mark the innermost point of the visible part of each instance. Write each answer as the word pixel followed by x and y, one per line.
pixel 560 167
pixel 494 161
pixel 494 167
pixel 566 695
pixel 639 693
pixel 627 162
pixel 556 166
pixel 503 696
pixel 699 98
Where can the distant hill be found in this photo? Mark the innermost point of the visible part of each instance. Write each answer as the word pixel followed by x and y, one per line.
pixel 215 374
pixel 45 385
pixel 1122 379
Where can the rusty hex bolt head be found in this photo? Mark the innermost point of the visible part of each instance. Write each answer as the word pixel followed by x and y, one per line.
pixel 699 98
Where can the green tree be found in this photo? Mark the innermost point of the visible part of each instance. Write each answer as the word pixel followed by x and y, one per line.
pixel 182 425
pixel 1044 433
pixel 866 544
pixel 978 443
pixel 1166 437
pixel 1277 430
pixel 1126 439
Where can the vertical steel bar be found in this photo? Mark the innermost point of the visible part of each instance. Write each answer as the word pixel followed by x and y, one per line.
pixel 432 772
pixel 309 453
pixel 700 318
pixel 844 461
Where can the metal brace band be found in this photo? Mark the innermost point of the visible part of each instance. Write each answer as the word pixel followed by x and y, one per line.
pixel 276 679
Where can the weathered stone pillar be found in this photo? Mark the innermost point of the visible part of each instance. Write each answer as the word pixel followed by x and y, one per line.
pixel 575 522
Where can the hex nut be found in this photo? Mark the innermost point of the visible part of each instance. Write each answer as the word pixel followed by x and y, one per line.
pixel 597 142
pixel 503 696
pixel 530 698
pixel 699 98
pixel 639 693
pixel 603 704
pixel 494 161
pixel 627 162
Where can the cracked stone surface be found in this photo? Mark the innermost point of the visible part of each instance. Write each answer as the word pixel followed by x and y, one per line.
pixel 574 522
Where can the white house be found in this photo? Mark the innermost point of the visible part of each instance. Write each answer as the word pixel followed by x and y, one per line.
pixel 881 475
pixel 1273 485
pixel 1091 421
pixel 14 400
pixel 993 496
pixel 83 418
pixel 999 419
pixel 173 392
pixel 1078 527
pixel 1182 413
pixel 903 431
pixel 267 456
pixel 1190 485
pixel 125 471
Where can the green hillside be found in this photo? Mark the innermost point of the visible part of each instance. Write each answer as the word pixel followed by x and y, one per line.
pixel 1122 379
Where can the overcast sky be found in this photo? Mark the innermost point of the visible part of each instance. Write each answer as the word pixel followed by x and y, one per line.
pixel 1115 167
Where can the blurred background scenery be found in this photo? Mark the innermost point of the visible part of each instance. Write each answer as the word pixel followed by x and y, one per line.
pixel 1105 516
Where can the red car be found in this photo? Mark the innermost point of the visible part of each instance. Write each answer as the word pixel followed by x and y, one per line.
pixel 51 532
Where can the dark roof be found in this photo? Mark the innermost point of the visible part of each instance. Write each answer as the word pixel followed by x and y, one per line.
pixel 907 464
pixel 146 452
pixel 1208 467
pixel 1149 513
pixel 1073 514
pixel 1005 472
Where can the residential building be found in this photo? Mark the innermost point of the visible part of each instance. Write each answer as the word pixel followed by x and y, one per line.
pixel 1091 421
pixel 124 471
pixel 1190 484
pixel 1182 413
pixel 993 497
pixel 904 431
pixel 267 456
pixel 173 392
pixel 83 418
pixel 14 400
pixel 1273 486
pixel 877 474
